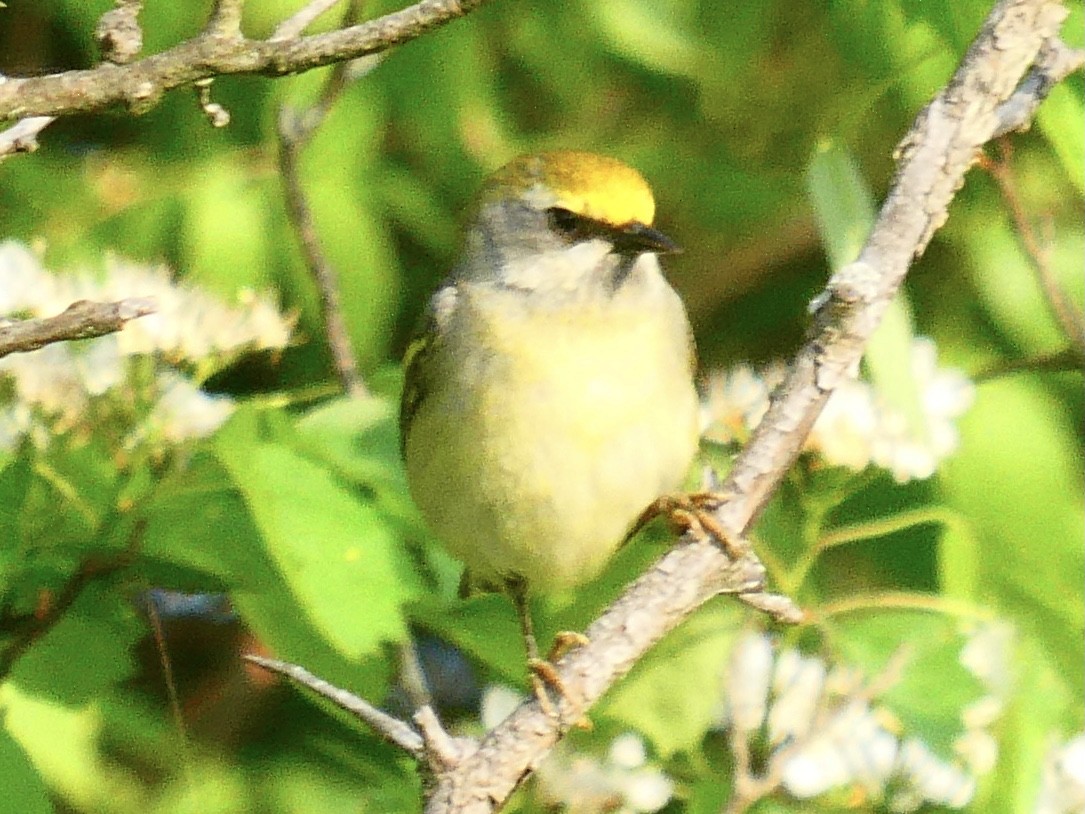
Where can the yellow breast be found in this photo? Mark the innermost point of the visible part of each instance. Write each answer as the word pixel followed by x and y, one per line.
pixel 549 433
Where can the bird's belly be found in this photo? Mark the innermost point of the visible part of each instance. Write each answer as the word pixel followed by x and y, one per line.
pixel 538 469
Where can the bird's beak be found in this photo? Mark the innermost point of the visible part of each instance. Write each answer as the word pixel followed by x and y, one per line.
pixel 636 238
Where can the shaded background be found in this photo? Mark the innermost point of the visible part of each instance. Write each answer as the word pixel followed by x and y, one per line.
pixel 722 107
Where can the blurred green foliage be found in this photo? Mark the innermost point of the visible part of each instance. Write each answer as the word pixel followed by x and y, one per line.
pixel 757 124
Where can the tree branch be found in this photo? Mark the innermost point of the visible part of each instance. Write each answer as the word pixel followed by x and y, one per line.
pixel 81 320
pixel 219 50
pixel 22 137
pixel 933 159
pixel 1056 61
pixel 294 25
pixel 295 132
pixel 118 33
pixel 1059 303
pixel 395 731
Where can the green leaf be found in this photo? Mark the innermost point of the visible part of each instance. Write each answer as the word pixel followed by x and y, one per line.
pixel 1062 121
pixel 101 628
pixel 844 209
pixel 484 627
pixel 651 34
pixel 932 686
pixel 15 479
pixel 675 693
pixel 24 790
pixel 201 536
pixel 1043 711
pixel 64 745
pixel 842 203
pixel 72 494
pixel 225 229
pixel 960 562
pixel 358 438
pixel 336 552
pixel 198 533
pixel 1019 480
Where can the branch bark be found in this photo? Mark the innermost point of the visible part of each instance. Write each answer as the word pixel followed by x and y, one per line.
pixel 219 50
pixel 933 158
pixel 22 137
pixel 81 320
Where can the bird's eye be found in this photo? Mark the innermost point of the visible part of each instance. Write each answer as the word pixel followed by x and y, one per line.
pixel 566 223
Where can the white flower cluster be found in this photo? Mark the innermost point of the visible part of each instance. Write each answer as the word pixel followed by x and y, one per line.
pixel 1062 784
pixel 189 325
pixel 858 426
pixel 986 654
pixel 621 782
pixel 64 386
pixel 824 733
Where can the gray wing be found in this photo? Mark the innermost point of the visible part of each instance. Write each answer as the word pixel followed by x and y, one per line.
pixel 417 361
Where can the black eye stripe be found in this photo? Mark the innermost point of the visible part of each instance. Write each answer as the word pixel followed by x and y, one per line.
pixel 570 225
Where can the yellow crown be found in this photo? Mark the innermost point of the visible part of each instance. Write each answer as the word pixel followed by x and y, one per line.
pixel 595 186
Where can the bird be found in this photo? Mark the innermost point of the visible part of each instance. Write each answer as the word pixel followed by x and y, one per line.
pixel 549 397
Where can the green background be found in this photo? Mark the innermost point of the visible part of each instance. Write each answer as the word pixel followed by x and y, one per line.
pixel 727 109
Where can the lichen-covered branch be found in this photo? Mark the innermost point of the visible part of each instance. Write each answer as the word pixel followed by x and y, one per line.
pixel 219 50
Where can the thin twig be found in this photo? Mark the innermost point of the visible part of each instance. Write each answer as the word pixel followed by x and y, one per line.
pixel 1069 319
pixel 295 131
pixel 164 660
pixel 22 137
pixel 216 114
pixel 219 50
pixel 1060 361
pixel 295 25
pixel 441 749
pixel 81 320
pixel 397 732
pixel 412 676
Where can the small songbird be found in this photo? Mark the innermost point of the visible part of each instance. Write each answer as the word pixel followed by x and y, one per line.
pixel 550 397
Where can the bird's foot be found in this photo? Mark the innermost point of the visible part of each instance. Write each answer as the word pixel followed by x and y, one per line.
pixel 694 512
pixel 544 677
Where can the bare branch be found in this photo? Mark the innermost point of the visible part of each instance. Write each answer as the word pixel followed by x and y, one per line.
pixel 295 25
pixel 397 732
pixel 1067 316
pixel 118 33
pixel 933 159
pixel 22 137
pixel 441 749
pixel 1057 61
pixel 295 131
pixel 81 320
pixel 412 677
pixel 218 51
pixel 225 19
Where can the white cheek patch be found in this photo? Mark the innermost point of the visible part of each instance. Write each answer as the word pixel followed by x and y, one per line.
pixel 568 269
